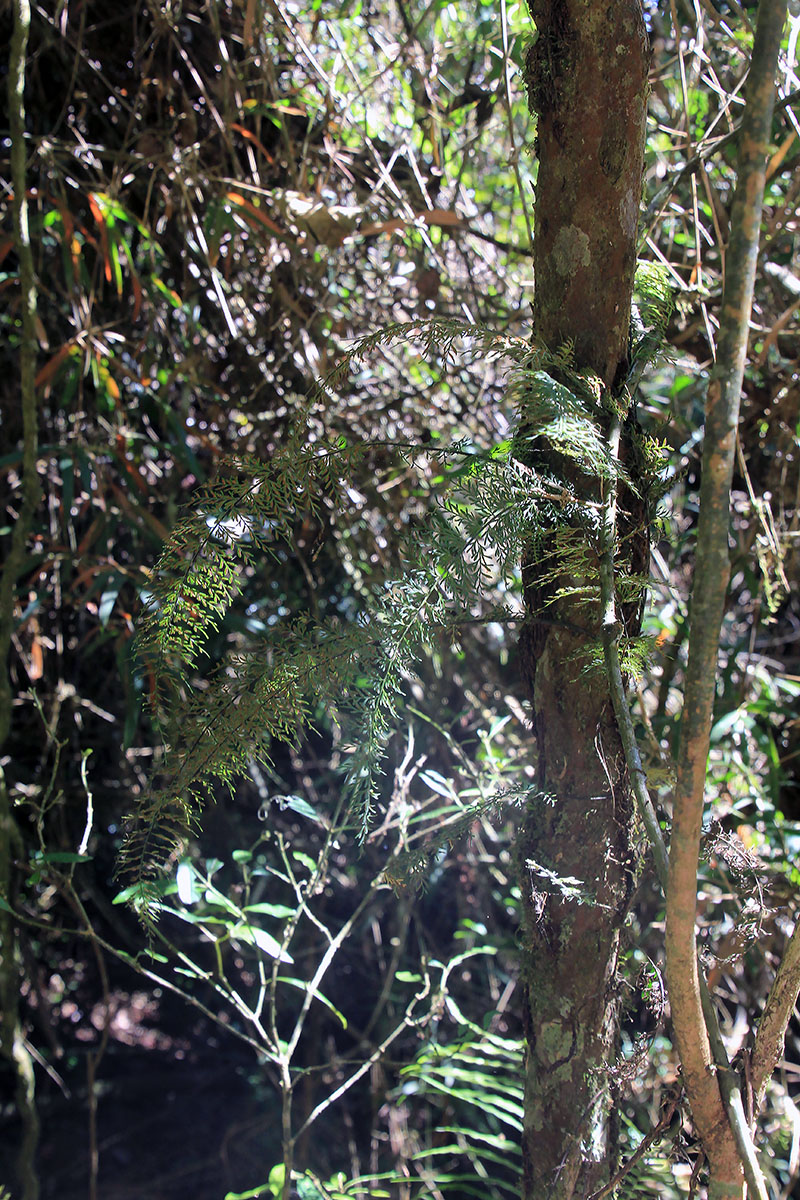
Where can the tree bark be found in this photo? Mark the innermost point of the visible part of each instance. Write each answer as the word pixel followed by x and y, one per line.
pixel 586 75
pixel 12 1040
pixel 707 608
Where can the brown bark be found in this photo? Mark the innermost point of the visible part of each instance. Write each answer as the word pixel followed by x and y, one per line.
pixel 586 76
pixel 587 80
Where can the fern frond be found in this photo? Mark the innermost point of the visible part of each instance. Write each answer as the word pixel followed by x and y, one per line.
pixel 246 704
pixel 250 508
pixel 438 337
pixel 654 303
pixel 564 420
pixel 655 297
pixel 460 565
pixel 412 867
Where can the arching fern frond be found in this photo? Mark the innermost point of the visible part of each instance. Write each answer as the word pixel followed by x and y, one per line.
pixel 411 868
pixel 245 705
pixel 653 306
pixel 250 510
pixel 460 564
pixel 437 338
pixel 565 419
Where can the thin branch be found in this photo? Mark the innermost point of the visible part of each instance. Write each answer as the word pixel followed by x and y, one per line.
pixel 708 603
pixel 697 162
pixel 523 199
pixel 13 1035
pixel 408 1020
pixel 730 1090
pixel 27 354
pixel 775 1017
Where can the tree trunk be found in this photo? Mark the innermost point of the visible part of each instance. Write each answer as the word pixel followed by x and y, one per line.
pixel 12 1041
pixel 704 1083
pixel 586 76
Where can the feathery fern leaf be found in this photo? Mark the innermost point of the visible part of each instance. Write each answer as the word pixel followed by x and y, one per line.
pixel 460 564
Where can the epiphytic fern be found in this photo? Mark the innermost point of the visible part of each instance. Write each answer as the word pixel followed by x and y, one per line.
pixel 460 566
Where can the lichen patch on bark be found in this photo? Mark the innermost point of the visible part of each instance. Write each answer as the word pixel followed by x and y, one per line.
pixel 571 250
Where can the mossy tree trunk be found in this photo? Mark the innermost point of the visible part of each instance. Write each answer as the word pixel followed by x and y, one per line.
pixel 587 82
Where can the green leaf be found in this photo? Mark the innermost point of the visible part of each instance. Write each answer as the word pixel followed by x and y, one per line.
pixel 306 987
pixel 159 887
pixel 187 883
pixel 437 783
pixel 170 295
pixel 277 1177
pixel 192 918
pixel 299 805
pixel 265 941
pixel 271 910
pixel 61 856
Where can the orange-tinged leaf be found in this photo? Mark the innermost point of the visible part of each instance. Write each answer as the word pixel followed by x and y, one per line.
pixel 96 210
pixel 89 536
pixel 251 137
pixel 36 666
pixel 51 366
pixel 253 212
pixel 5 246
pixel 288 108
pixel 442 217
pixel 384 227
pixel 41 572
pixel 776 161
pixel 41 333
pixel 99 217
pixel 131 470
pixel 67 219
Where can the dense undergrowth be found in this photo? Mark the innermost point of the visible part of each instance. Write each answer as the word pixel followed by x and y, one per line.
pixel 221 201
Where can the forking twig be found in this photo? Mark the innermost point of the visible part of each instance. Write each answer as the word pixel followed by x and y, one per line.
pixel 514 152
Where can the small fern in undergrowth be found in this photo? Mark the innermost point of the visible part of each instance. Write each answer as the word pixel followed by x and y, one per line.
pixel 461 565
pixel 478 1084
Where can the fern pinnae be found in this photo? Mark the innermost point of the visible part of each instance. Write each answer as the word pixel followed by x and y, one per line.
pixel 497 501
pixel 439 336
pixel 231 721
pixel 380 701
pixel 199 570
pixel 412 867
